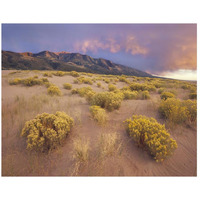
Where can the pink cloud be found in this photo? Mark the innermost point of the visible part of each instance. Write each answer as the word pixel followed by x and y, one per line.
pixel 129 44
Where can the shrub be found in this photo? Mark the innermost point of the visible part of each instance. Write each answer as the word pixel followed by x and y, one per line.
pixel 107 100
pixel 193 95
pixel 177 111
pixel 112 87
pixel 148 134
pixel 74 74
pixel 161 90
pixel 99 114
pixel 46 131
pixel 99 84
pixel 130 94
pixel 54 90
pixel 15 81
pixel 142 86
pixel 67 86
pixel 166 95
pixel 84 90
pixel 46 74
pixel 59 73
pixel 145 95
pixel 84 80
pixel 74 91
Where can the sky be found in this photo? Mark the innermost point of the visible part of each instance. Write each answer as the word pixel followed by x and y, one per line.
pixel 168 50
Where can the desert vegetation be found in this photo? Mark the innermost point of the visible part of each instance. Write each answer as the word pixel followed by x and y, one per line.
pixel 84 124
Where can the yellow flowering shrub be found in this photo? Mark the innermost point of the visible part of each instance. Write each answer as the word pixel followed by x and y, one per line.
pixel 31 81
pixel 142 87
pixel 46 131
pixel 99 84
pixel 85 80
pixel 166 95
pixel 74 74
pixel 130 94
pixel 148 134
pixel 54 90
pixel 108 100
pixel 112 87
pixel 59 73
pixel 161 90
pixel 145 94
pixel 99 114
pixel 67 86
pixel 178 111
pixel 46 74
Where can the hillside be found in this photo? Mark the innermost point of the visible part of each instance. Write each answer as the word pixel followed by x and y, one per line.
pixel 65 61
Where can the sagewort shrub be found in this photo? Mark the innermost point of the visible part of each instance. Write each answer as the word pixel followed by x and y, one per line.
pixel 47 131
pixel 130 94
pixel 148 134
pixel 99 114
pixel 112 87
pixel 108 100
pixel 177 111
pixel 166 95
pixel 53 90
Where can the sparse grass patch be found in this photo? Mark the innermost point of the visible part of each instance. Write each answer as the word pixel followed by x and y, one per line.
pixel 81 150
pixel 99 114
pixel 148 134
pixel 46 131
pixel 109 144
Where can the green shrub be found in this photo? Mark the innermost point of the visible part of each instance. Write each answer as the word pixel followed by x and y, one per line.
pixel 46 131
pixel 193 95
pixel 148 134
pixel 166 95
pixel 177 111
pixel 107 100
pixel 112 87
pixel 74 74
pixel 99 114
pixel 54 90
pixel 67 86
pixel 130 94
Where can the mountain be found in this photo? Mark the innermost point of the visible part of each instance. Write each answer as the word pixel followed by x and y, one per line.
pixel 65 61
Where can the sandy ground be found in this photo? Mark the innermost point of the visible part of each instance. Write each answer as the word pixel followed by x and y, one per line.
pixel 132 161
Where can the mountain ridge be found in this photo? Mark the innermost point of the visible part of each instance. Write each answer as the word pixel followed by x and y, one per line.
pixel 65 61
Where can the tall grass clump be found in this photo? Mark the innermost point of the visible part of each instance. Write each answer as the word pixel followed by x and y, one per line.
pixel 108 100
pixel 46 131
pixel 109 144
pixel 148 134
pixel 177 111
pixel 53 90
pixel 98 114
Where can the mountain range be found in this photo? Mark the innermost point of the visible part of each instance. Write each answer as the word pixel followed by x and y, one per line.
pixel 65 61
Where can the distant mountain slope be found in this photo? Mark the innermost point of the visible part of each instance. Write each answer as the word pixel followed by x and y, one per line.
pixel 65 61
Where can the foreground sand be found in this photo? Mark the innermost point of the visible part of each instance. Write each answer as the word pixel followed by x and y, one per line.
pixel 20 104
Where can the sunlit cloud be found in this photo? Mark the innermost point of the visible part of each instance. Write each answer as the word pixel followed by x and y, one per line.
pixel 128 44
pixel 180 74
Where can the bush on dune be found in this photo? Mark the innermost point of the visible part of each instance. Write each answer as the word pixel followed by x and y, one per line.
pixel 148 134
pixel 53 90
pixel 67 86
pixel 46 131
pixel 166 95
pixel 99 114
pixel 177 111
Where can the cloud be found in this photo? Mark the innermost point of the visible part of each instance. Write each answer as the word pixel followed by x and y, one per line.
pixel 128 44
